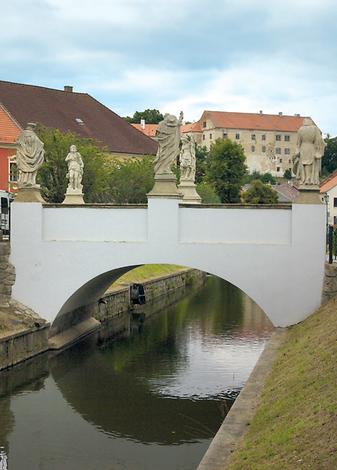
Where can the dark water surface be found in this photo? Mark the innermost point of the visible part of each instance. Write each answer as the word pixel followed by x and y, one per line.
pixel 151 401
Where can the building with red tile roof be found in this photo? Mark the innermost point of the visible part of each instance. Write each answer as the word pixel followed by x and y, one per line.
pixel 9 132
pixel 147 129
pixel 328 190
pixel 269 140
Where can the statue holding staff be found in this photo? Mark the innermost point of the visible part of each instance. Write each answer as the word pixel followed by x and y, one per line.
pixel 187 158
pixel 75 169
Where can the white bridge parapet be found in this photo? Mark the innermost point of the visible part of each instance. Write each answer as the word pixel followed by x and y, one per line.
pixel 66 256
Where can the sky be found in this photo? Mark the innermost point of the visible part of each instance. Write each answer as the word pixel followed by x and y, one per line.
pixel 172 55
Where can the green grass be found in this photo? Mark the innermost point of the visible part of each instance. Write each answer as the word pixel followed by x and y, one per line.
pixel 296 423
pixel 145 273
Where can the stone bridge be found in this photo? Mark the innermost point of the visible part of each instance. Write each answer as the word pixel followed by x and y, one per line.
pixel 66 256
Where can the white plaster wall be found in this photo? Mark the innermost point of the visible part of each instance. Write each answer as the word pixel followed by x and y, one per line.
pixel 275 256
pixel 332 193
pixel 94 224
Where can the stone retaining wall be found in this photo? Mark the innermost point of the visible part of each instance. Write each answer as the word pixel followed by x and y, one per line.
pixel 18 347
pixel 330 282
pixel 7 275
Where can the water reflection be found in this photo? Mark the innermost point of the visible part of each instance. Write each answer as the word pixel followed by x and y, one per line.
pixel 153 400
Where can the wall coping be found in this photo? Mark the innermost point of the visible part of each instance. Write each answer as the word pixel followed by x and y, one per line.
pixel 284 206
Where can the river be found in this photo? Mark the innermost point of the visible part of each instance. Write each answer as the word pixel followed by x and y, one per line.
pixel 152 400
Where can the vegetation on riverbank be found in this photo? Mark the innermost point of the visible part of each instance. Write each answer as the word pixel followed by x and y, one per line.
pixel 146 273
pixel 296 423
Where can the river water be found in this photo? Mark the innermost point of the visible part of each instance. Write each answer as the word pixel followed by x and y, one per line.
pixel 153 400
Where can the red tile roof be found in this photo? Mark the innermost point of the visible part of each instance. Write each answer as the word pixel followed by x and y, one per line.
pixel 192 127
pixel 9 129
pixel 149 129
pixel 74 112
pixel 329 182
pixel 253 121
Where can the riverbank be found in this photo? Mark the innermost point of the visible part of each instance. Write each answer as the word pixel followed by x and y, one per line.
pixel 295 424
pixel 23 334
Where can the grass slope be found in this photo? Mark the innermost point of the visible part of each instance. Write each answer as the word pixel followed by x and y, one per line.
pixel 296 423
pixel 145 273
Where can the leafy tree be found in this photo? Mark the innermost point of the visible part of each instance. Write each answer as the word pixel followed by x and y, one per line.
pixel 151 116
pixel 130 181
pixel 207 193
pixel 264 177
pixel 226 169
pixel 260 193
pixel 287 174
pixel 201 154
pixel 52 174
pixel 329 160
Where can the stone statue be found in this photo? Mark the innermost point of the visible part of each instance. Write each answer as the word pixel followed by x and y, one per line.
pixel 187 158
pixel 29 156
pixel 308 157
pixel 168 138
pixel 75 169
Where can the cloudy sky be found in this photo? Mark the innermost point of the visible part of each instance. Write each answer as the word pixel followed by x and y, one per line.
pixel 233 55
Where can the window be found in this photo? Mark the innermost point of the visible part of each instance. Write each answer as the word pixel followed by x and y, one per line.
pixel 278 151
pixel 278 137
pixel 237 136
pixel 280 160
pixel 289 160
pixel 253 136
pixel 335 201
pixel 286 151
pixel 225 135
pixel 13 172
pixel 79 121
pixel 263 148
pixel 253 148
pixel 204 124
pixel 287 138
pixel 263 136
pixel 210 137
pixel 203 136
pixel 335 220
pixel 278 168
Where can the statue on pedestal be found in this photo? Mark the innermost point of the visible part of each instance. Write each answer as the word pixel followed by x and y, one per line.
pixel 168 138
pixel 187 158
pixel 308 158
pixel 29 157
pixel 75 169
pixel 74 193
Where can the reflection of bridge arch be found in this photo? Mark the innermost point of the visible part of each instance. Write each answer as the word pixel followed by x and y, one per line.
pixel 66 256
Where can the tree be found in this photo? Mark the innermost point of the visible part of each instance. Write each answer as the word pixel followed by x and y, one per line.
pixel 201 154
pixel 130 181
pixel 260 193
pixel 207 193
pixel 52 174
pixel 329 160
pixel 264 177
pixel 226 169
pixel 287 174
pixel 151 116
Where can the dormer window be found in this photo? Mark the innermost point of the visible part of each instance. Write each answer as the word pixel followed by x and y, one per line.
pixel 79 121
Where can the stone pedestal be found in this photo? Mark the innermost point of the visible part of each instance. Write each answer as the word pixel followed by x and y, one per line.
pixel 165 186
pixel 308 194
pixel 73 196
pixel 189 192
pixel 29 194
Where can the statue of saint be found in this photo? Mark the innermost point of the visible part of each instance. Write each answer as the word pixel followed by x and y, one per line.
pixel 308 158
pixel 168 138
pixel 187 158
pixel 29 156
pixel 75 169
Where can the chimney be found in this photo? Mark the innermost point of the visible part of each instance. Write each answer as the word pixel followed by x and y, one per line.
pixel 261 112
pixel 297 115
pixel 142 123
pixel 68 88
pixel 280 113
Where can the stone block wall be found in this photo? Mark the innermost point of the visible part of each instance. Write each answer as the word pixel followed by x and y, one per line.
pixel 7 275
pixel 330 282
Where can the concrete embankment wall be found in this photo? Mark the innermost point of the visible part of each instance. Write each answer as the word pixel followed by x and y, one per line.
pixel 114 310
pixel 20 346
